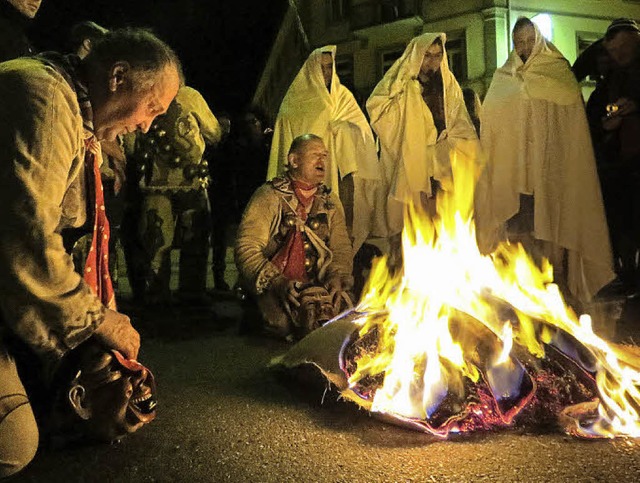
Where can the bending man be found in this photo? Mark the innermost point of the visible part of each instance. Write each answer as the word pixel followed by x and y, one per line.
pixel 53 111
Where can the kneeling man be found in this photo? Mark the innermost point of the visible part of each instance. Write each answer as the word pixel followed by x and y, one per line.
pixel 292 250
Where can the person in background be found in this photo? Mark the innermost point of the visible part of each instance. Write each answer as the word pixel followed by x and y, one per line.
pixel 83 35
pixel 250 146
pixel 418 112
pixel 239 168
pixel 540 186
pixel 223 197
pixel 615 121
pixel 175 206
pixel 15 17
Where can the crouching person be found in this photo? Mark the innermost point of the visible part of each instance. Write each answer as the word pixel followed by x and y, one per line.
pixel 55 110
pixel 292 251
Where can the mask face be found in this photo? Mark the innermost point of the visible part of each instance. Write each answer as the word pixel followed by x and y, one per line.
pixel 114 395
pixel 315 309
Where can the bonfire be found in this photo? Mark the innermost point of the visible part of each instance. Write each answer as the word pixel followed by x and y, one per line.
pixel 457 341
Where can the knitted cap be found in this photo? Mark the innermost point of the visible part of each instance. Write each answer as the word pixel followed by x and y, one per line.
pixel 620 24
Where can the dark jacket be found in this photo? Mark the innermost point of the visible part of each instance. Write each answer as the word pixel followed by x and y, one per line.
pixel 13 39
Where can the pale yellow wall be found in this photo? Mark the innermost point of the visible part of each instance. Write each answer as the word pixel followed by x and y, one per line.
pixel 585 8
pixel 441 9
pixel 365 45
pixel 473 25
pixel 374 40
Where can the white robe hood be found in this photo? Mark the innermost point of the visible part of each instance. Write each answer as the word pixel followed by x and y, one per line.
pixel 309 107
pixel 411 152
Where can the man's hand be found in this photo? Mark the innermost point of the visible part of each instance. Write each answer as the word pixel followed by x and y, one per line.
pixel 286 290
pixel 334 287
pixel 623 107
pixel 116 332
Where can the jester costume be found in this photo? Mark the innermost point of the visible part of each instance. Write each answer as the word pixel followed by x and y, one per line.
pixel 285 234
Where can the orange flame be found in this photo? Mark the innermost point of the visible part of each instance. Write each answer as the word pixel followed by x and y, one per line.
pixel 446 278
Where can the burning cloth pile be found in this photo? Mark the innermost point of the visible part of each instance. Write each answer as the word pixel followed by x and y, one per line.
pixel 457 341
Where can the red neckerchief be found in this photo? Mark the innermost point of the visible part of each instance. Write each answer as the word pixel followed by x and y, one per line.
pixel 96 269
pixel 290 258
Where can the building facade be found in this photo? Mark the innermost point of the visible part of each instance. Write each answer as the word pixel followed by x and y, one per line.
pixel 371 34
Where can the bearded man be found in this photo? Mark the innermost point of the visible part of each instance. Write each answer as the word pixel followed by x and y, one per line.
pixel 55 111
pixel 419 114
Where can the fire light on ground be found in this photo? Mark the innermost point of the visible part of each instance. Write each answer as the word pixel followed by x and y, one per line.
pixel 454 334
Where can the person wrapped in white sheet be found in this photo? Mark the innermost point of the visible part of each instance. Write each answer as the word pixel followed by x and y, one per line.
pixel 418 112
pixel 540 185
pixel 318 103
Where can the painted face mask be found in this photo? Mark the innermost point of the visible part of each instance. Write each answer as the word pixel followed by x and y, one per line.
pixel 113 395
pixel 316 309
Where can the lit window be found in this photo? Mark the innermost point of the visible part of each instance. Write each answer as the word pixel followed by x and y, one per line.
pixel 544 23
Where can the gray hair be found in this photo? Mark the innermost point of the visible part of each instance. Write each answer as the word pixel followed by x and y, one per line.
pixel 298 143
pixel 142 50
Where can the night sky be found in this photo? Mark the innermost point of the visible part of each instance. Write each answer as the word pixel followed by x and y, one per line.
pixel 223 44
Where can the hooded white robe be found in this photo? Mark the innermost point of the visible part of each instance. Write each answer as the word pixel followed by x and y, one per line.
pixel 411 151
pixel 536 141
pixel 309 107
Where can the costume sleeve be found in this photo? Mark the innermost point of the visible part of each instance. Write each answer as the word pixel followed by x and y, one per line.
pixel 44 301
pixel 209 125
pixel 258 223
pixel 342 262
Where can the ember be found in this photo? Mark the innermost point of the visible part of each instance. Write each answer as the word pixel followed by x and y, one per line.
pixel 457 341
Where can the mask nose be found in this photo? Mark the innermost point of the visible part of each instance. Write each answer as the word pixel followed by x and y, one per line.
pixel 144 126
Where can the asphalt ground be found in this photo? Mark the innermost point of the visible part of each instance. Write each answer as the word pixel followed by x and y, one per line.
pixel 223 416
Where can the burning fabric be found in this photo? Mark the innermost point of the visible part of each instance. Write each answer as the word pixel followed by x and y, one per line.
pixel 458 341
